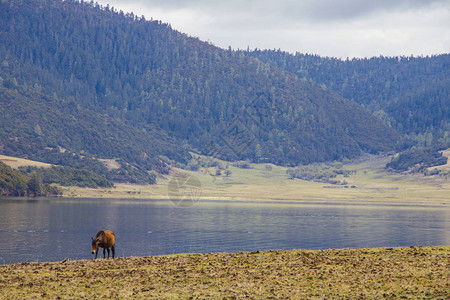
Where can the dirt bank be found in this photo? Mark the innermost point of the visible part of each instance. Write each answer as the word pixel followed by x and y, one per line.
pixel 416 272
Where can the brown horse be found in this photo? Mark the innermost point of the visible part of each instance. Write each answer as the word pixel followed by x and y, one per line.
pixel 104 239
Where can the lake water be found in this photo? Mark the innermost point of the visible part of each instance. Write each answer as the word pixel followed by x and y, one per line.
pixel 52 229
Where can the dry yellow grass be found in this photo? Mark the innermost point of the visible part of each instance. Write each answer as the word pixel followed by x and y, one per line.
pixel 15 162
pixel 392 273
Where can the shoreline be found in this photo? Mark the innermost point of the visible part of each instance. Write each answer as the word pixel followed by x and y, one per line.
pixel 381 201
pixel 408 272
pixel 367 182
pixel 310 202
pixel 370 183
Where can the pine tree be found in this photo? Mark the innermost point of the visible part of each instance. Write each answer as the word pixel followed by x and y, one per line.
pixel 35 185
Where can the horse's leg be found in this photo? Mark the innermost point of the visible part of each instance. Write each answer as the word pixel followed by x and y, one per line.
pixel 107 249
pixel 104 250
pixel 96 252
pixel 113 250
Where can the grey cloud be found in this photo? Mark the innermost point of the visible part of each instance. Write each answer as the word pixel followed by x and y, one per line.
pixel 319 10
pixel 350 9
pixel 329 27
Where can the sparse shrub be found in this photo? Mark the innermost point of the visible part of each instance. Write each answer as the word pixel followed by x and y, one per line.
pixel 319 173
pixel 417 160
pixel 242 164
pixel 193 165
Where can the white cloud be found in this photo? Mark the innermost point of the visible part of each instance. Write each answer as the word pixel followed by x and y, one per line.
pixel 326 27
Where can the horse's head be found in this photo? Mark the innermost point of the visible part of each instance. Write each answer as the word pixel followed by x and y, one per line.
pixel 94 245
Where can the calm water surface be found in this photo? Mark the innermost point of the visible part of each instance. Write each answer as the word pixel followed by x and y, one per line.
pixel 52 229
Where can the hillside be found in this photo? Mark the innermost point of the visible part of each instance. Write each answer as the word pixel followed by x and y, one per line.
pixel 409 93
pixel 42 128
pixel 103 84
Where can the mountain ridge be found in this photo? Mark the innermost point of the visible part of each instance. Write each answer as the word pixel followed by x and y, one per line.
pixel 412 94
pixel 100 67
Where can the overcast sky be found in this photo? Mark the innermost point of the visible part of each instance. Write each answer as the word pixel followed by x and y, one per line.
pixel 338 28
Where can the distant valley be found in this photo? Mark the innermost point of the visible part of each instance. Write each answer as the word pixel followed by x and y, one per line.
pixel 80 83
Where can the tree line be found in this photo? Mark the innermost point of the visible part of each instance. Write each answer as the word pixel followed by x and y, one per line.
pixel 33 181
pixel 16 183
pixel 417 160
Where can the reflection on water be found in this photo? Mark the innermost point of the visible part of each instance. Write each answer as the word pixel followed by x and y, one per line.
pixel 54 229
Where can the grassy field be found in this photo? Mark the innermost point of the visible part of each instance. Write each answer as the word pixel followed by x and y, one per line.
pixel 390 273
pixel 371 184
pixel 15 162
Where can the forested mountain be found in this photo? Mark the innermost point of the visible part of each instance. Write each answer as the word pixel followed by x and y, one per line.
pixel 40 127
pixel 412 94
pixel 103 84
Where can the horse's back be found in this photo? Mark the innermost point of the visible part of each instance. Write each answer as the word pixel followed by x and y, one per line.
pixel 107 237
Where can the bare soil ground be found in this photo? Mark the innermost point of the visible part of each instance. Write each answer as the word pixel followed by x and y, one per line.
pixel 392 273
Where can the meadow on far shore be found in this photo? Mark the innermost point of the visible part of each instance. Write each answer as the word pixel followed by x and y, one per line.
pixel 368 183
